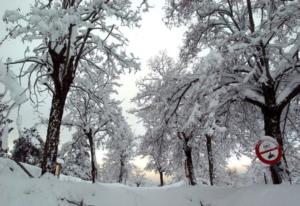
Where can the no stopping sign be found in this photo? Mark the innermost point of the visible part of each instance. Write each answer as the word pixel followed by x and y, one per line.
pixel 268 151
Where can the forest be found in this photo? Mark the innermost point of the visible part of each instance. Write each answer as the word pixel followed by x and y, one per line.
pixel 235 82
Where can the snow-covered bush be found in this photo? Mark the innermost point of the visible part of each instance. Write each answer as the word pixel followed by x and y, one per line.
pixel 76 156
pixel 28 148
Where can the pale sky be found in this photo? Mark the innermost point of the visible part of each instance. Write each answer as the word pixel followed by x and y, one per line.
pixel 145 42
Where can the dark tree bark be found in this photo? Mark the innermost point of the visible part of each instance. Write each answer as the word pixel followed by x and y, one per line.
pixel 265 179
pixel 122 168
pixel 53 133
pixel 272 113
pixel 62 76
pixel 89 135
pixel 161 178
pixel 210 159
pixel 272 128
pixel 189 160
pixel 190 167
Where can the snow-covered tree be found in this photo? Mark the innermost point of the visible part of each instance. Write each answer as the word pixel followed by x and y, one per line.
pixel 28 148
pixel 138 177
pixel 153 101
pixel 91 112
pixel 184 105
pixel 120 145
pixel 156 147
pixel 258 173
pixel 290 124
pixel 74 38
pixel 76 156
pixel 155 143
pixel 259 43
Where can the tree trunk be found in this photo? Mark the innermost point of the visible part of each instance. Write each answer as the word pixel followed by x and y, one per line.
pixel 89 135
pixel 61 88
pixel 272 113
pixel 190 167
pixel 265 179
pixel 210 159
pixel 189 160
pixel 272 128
pixel 161 178
pixel 122 167
pixel 53 132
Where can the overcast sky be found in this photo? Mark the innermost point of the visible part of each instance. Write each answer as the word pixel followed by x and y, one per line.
pixel 145 42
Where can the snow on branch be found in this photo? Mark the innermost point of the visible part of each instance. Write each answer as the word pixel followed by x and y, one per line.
pixel 17 98
pixel 289 92
pixel 253 97
pixel 9 81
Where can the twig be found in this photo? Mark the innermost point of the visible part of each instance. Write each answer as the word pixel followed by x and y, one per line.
pixel 9 34
pixel 24 169
pixel 80 203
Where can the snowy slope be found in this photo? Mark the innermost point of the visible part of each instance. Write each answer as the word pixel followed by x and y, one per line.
pixel 19 190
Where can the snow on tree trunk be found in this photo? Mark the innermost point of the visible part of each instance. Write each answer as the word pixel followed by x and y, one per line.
pixel 53 133
pixel 210 159
pixel 4 138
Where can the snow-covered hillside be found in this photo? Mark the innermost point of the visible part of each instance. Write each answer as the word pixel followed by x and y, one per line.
pixel 17 189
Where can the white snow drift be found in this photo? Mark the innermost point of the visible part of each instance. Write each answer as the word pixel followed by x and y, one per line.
pixel 17 189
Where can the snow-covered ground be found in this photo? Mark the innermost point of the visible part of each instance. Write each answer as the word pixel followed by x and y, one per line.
pixel 17 189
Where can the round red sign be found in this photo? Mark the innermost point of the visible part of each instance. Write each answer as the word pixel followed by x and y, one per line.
pixel 268 151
